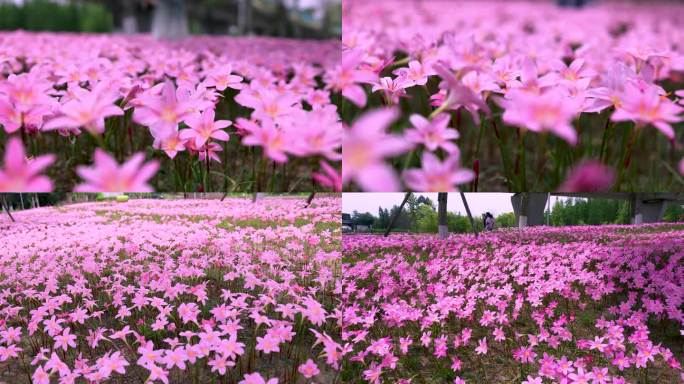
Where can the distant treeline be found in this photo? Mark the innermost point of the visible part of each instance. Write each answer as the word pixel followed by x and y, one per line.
pixel 44 15
pixel 420 215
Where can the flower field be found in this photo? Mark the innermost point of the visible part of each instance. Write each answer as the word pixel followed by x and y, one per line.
pixel 116 113
pixel 512 96
pixel 171 291
pixel 545 305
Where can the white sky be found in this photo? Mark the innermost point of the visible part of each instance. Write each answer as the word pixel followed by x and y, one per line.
pixel 479 203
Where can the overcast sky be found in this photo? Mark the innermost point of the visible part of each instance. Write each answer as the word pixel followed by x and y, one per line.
pixel 496 203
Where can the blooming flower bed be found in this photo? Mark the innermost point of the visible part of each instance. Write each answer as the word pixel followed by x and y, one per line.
pixel 212 113
pixel 182 291
pixel 512 96
pixel 545 305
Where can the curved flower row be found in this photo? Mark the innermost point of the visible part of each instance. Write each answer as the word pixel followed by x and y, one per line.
pixel 218 113
pixel 519 85
pixel 571 305
pixel 171 291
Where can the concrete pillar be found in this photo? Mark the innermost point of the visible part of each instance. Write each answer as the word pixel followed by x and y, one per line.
pixel 170 20
pixel 647 210
pixel 442 215
pixel 529 208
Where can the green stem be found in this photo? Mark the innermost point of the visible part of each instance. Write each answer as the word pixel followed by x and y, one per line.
pixel 627 158
pixel 605 137
pixel 523 176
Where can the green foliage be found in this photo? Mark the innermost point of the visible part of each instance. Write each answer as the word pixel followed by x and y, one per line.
pixel 426 220
pixel 506 220
pixel 45 15
pixel 94 18
pixel 674 213
pixel 590 212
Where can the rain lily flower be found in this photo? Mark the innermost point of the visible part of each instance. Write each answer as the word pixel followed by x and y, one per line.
pixel 329 178
pixel 648 107
pixel 309 369
pixel 438 176
pixel 589 176
pixel 221 78
pixel 266 135
pixel 162 113
pixel 203 128
pixel 433 134
pixel 107 176
pixel 22 175
pixel 88 110
pixel 365 145
pixel 550 112
pixel 256 378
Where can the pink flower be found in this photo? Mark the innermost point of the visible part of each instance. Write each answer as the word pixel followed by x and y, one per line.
pixel 203 128
pixel 40 376
pixel 220 363
pixel 22 175
pixel 221 78
pixel 347 76
pixel 433 134
pixel 176 357
pixel 158 373
pixel 415 74
pixel 256 378
pixel 589 176
pixel 550 111
pixel 88 110
pixel 309 369
pixel 171 145
pixel 373 373
pixel 267 104
pixel 329 178
pixel 107 176
pixel 524 354
pixel 437 176
pixel 365 145
pixel 481 348
pixel 646 106
pixel 65 340
pixel 459 94
pixel 580 377
pixel 24 101
pixel 533 380
pixel 392 88
pixel 113 363
pixel 313 311
pixel 188 312
pixel 267 344
pixel 266 135
pixel 148 355
pixel 162 113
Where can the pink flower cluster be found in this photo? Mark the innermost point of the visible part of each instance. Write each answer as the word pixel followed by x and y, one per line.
pixel 171 291
pixel 188 97
pixel 530 65
pixel 566 305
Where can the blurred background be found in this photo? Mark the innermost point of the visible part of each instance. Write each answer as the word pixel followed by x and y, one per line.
pixel 172 19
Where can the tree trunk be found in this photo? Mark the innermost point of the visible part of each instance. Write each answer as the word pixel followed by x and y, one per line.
pixel 470 216
pixel 5 206
pixel 396 215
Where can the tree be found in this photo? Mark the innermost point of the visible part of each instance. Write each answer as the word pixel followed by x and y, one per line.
pixel 383 218
pixel 427 219
pixel 674 213
pixel 506 220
